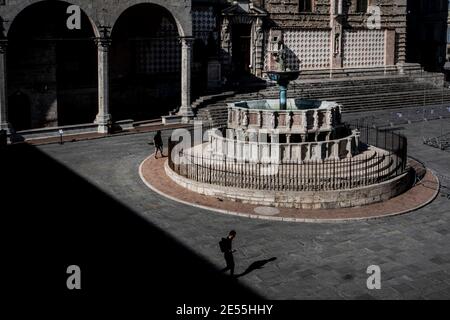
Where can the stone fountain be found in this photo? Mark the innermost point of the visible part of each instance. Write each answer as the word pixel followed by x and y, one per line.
pixel 293 153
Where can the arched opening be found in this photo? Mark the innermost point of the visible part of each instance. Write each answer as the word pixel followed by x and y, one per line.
pixel 54 67
pixel 20 111
pixel 145 63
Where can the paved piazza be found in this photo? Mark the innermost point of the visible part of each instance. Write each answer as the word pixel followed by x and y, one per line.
pixel 313 261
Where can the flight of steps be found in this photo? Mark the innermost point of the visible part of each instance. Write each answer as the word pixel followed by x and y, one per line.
pixel 372 166
pixel 356 95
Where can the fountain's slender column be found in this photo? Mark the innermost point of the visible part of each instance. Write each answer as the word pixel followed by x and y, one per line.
pixel 283 78
pixel 283 96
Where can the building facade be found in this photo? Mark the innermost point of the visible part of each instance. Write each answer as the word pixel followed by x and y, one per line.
pixel 135 59
pixel 317 34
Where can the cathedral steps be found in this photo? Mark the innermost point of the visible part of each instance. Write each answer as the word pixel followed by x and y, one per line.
pixel 356 95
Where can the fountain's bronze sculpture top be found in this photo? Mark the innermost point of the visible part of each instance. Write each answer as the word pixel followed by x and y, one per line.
pixel 284 75
pixel 281 58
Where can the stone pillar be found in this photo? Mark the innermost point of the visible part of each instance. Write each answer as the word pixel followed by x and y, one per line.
pixel 186 61
pixel 275 150
pixel 389 47
pixel 316 120
pixel 329 119
pixel 4 123
pixel 103 117
pixel 258 37
pixel 288 138
pixel 335 150
pixel 349 147
pixel 336 21
pixel 357 135
pixel 304 120
pixel 320 151
pixel 225 45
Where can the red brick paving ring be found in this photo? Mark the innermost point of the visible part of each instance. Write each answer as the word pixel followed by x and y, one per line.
pixel 153 173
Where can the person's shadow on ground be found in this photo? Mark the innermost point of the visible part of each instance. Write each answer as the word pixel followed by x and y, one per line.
pixel 255 266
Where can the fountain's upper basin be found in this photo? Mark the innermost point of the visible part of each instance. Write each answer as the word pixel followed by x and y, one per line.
pixel 283 76
pixel 292 104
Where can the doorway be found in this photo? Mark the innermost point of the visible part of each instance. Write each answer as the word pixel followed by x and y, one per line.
pixel 19 111
pixel 241 49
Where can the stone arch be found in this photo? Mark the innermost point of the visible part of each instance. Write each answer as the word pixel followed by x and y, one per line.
pixel 58 74
pixel 145 63
pixel 13 11
pixel 179 10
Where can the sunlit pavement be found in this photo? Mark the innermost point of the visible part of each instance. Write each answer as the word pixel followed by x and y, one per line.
pixel 314 261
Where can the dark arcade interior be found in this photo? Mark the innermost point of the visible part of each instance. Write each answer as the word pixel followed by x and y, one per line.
pixel 427 33
pixel 52 71
pixel 145 64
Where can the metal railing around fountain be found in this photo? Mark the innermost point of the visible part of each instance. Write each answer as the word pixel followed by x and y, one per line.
pixel 330 174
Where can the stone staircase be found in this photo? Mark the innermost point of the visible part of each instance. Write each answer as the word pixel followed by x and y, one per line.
pixel 355 94
pixel 370 167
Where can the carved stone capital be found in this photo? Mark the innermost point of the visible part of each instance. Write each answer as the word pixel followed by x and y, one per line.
pixel 3 45
pixel 103 43
pixel 187 42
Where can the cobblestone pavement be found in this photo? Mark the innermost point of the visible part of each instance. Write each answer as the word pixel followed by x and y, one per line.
pixel 313 261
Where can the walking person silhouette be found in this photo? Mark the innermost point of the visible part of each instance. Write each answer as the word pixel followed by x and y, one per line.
pixel 158 144
pixel 227 249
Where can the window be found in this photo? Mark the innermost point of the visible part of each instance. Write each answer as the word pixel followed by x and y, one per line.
pixel 305 5
pixel 361 6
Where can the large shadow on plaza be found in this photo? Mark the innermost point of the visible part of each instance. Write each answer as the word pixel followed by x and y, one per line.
pixel 52 218
pixel 257 265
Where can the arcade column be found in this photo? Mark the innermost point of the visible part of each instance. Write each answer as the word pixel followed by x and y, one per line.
pixel 186 61
pixel 4 124
pixel 103 117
